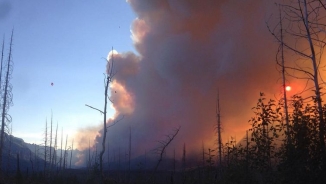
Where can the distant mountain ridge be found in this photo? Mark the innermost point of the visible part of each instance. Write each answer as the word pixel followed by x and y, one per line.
pixel 14 146
pixel 31 158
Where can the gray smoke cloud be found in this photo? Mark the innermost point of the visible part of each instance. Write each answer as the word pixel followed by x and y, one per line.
pixel 187 49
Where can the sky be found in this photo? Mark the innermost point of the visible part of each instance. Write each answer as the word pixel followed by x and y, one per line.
pixel 173 58
pixel 64 43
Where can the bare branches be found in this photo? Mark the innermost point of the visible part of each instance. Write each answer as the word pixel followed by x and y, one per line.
pixel 95 108
pixel 287 45
pixel 218 127
pixel 6 97
pixel 322 4
pixel 164 144
pixel 305 37
pixel 107 80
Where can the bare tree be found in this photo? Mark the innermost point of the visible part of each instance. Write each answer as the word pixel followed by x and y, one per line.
pixel 108 79
pixel 282 64
pixel 305 33
pixel 54 156
pixel 9 149
pixel 218 127
pixel 165 144
pixel 6 97
pixel 51 143
pixel 161 149
pixel 61 149
pixel 2 56
pixel 45 144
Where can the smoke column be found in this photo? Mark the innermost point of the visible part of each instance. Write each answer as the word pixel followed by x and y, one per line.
pixel 187 49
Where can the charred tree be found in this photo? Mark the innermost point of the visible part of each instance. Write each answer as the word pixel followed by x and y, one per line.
pixel 219 136
pixel 45 144
pixel 6 98
pixel 51 143
pixel 54 156
pixel 161 149
pixel 9 149
pixel 305 33
pixel 107 80
pixel 61 149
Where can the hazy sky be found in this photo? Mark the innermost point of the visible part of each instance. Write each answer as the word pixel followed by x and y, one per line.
pixel 64 42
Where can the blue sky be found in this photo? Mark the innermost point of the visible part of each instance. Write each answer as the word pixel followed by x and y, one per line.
pixel 64 42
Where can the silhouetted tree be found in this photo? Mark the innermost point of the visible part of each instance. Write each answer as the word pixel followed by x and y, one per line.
pixel 305 42
pixel 45 144
pixel 107 80
pixel 218 128
pixel 161 149
pixel 6 97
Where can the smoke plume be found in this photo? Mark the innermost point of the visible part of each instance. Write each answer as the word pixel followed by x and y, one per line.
pixel 187 51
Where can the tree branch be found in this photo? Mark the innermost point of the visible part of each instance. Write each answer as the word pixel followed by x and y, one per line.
pixel 94 108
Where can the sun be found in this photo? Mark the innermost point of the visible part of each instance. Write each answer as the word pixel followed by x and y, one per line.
pixel 288 88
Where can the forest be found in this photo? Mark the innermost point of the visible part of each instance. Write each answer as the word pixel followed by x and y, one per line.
pixel 284 144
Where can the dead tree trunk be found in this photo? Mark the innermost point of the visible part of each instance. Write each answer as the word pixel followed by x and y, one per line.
pixel 108 80
pixel 7 99
pixel 219 136
pixel 51 144
pixel 305 25
pixel 162 148
pixel 9 150
pixel 282 64
pixel 61 149
pixel 2 125
pixel 54 159
pixel 45 144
